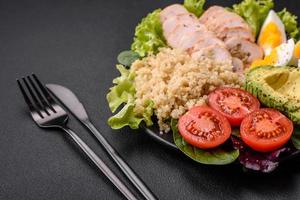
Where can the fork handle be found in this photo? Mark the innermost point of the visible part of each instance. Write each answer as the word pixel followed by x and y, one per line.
pixel 100 164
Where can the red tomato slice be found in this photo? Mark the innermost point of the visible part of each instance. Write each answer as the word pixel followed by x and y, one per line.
pixel 233 103
pixel 204 127
pixel 266 130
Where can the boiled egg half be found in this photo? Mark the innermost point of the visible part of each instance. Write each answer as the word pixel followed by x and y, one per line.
pixel 272 33
pixel 280 56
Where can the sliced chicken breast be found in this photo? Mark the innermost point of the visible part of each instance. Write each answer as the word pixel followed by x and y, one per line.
pixel 174 37
pixel 205 41
pixel 219 18
pixel 171 23
pixel 184 31
pixel 188 40
pixel 183 35
pixel 172 10
pixel 235 32
pixel 215 52
pixel 221 21
pixel 244 50
pixel 211 12
pixel 232 23
pixel 238 65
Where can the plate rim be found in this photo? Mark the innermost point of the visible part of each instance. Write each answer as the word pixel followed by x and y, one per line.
pixel 156 137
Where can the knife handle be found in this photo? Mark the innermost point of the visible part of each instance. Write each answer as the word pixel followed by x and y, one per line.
pixel 100 164
pixel 131 175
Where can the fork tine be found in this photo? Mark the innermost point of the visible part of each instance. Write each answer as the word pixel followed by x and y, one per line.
pixel 41 98
pixel 34 98
pixel 27 100
pixel 45 92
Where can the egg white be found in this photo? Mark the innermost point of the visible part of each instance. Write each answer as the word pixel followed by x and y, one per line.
pixel 273 17
pixel 285 53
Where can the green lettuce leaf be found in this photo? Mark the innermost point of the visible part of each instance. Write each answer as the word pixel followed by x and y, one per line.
pixel 125 117
pixel 126 58
pixel 194 6
pixel 290 22
pixel 123 94
pixel 148 35
pixel 148 112
pixel 254 12
pixel 217 156
pixel 123 91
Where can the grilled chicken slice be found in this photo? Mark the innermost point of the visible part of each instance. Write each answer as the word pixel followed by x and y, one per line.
pixel 218 53
pixel 195 31
pixel 210 13
pixel 199 39
pixel 184 31
pixel 244 50
pixel 234 33
pixel 226 24
pixel 185 40
pixel 207 40
pixel 238 65
pixel 234 23
pixel 171 23
pixel 172 10
pixel 228 19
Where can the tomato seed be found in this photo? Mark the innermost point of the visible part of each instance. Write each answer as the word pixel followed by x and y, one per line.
pixel 210 137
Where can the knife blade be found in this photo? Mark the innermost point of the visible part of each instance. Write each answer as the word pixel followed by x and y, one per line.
pixel 69 100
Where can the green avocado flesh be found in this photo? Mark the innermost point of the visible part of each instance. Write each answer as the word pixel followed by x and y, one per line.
pixel 276 87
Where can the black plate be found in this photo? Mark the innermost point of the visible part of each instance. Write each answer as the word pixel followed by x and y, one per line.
pixel 166 138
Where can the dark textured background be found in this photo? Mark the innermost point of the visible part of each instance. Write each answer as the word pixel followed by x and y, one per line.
pixel 75 43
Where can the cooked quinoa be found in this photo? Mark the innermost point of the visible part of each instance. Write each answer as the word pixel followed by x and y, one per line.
pixel 175 82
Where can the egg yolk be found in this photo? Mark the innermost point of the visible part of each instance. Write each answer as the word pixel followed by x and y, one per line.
pixel 297 50
pixel 268 60
pixel 270 36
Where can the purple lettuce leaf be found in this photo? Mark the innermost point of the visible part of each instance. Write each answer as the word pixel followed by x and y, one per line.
pixel 258 161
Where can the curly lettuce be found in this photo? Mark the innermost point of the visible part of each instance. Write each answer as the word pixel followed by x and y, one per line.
pixel 194 6
pixel 290 22
pixel 123 94
pixel 148 35
pixel 254 12
pixel 123 91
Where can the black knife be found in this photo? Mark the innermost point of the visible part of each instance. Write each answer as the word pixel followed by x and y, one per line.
pixel 69 99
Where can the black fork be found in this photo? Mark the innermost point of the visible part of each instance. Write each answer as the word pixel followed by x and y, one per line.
pixel 47 113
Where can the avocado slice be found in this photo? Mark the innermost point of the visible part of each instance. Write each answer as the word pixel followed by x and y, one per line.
pixel 276 87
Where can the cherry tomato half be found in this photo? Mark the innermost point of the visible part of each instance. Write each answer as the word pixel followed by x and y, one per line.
pixel 266 130
pixel 204 127
pixel 233 103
